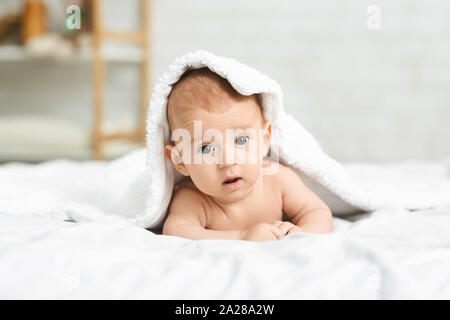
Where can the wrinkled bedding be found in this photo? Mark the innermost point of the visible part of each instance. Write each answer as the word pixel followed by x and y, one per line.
pixel 387 254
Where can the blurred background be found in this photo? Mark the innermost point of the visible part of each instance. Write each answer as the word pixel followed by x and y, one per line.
pixel 369 79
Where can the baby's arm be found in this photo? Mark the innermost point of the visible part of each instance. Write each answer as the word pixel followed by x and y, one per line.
pixel 302 206
pixel 188 219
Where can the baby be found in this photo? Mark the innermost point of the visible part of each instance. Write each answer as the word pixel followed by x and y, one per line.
pixel 226 195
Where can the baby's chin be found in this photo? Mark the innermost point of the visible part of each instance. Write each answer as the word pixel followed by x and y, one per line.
pixel 225 190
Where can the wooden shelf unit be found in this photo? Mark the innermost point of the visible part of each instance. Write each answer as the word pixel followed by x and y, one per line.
pixel 140 38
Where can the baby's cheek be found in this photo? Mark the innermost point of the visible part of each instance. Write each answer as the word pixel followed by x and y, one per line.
pixel 262 148
pixel 251 171
pixel 242 156
pixel 203 176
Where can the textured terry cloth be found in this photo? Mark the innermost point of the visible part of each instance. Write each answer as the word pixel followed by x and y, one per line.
pixel 137 188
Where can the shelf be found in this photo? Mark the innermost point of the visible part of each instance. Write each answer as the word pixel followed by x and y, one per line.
pixel 111 52
pixel 38 153
pixel 40 138
pixel 98 47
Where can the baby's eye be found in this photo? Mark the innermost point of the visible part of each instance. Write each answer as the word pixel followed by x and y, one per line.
pixel 241 140
pixel 205 149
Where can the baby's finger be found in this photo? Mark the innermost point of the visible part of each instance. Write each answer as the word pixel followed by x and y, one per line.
pixel 294 230
pixel 277 223
pixel 277 232
pixel 286 226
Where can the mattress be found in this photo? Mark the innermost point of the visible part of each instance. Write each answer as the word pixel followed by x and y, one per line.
pixel 387 254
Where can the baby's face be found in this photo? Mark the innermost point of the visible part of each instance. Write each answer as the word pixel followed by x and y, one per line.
pixel 223 150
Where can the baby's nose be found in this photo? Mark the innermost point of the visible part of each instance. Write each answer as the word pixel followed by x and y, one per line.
pixel 228 157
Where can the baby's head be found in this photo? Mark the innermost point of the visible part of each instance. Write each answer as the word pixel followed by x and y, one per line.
pixel 219 134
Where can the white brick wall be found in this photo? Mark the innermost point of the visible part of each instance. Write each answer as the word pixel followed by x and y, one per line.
pixel 373 95
pixel 367 95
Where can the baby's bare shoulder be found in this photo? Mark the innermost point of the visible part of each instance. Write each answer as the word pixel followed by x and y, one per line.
pixel 188 203
pixel 288 179
pixel 187 192
pixel 285 174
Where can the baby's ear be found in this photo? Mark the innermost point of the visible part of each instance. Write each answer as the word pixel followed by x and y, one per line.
pixel 171 154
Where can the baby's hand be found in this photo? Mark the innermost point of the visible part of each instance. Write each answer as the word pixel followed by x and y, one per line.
pixel 295 229
pixel 266 231
pixel 288 227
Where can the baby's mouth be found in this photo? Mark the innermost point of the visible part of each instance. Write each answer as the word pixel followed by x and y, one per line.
pixel 232 183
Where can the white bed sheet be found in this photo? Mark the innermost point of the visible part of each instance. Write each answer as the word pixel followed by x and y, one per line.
pixel 388 254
